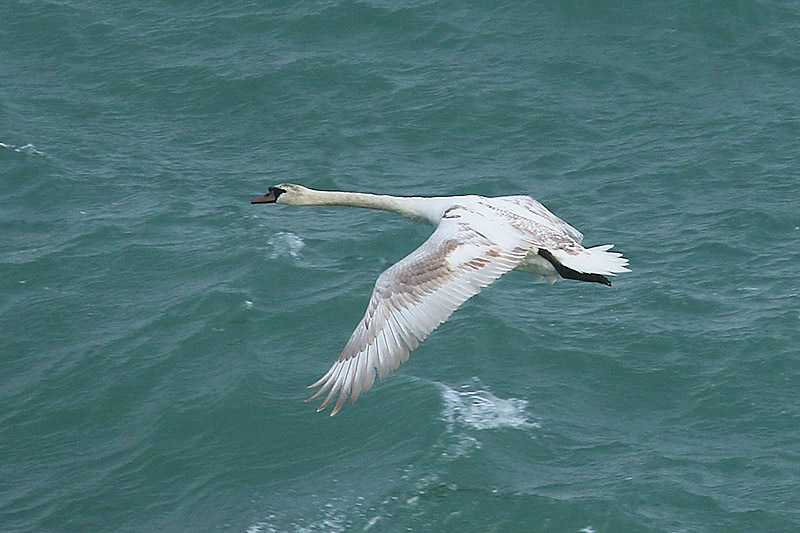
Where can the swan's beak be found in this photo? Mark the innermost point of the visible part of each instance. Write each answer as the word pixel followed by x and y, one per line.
pixel 268 198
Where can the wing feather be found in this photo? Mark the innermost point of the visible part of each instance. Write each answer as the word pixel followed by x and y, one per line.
pixel 412 297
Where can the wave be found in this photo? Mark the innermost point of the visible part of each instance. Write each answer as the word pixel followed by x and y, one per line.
pixel 28 148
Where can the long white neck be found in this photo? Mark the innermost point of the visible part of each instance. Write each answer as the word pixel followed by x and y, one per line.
pixel 418 208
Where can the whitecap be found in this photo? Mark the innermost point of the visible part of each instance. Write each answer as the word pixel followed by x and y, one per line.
pixel 371 522
pixel 25 149
pixel 333 520
pixel 261 527
pixel 470 409
pixel 29 149
pixel 480 409
pixel 283 244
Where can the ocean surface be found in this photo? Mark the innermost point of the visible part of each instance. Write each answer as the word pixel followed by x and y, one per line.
pixel 158 332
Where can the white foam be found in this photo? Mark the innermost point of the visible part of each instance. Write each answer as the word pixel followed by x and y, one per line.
pixel 473 408
pixel 26 149
pixel 284 244
pixel 261 527
pixel 480 409
pixel 29 149
pixel 372 521
pixel 334 520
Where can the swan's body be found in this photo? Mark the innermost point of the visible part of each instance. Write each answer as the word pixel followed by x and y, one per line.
pixel 477 240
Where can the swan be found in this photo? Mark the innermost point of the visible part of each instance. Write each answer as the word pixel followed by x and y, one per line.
pixel 477 239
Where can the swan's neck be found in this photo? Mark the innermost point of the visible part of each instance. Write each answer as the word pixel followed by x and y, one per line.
pixel 418 208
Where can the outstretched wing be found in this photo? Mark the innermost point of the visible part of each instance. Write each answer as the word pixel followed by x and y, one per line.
pixel 412 297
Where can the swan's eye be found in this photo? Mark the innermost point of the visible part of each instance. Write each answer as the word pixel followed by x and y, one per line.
pixel 277 191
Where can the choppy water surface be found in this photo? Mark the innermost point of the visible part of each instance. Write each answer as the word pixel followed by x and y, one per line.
pixel 158 331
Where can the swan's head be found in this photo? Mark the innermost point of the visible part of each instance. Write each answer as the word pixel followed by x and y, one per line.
pixel 285 193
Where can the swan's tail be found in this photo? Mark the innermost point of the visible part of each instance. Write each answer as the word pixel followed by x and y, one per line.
pixel 590 264
pixel 596 260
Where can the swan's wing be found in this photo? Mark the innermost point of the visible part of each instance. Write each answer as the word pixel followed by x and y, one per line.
pixel 467 251
pixel 541 222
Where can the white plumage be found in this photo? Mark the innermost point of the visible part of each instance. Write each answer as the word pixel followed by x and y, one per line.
pixel 477 240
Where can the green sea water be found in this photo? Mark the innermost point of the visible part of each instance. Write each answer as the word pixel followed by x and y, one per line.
pixel 157 331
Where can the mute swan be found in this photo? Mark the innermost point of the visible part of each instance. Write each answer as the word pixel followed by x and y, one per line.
pixel 477 240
